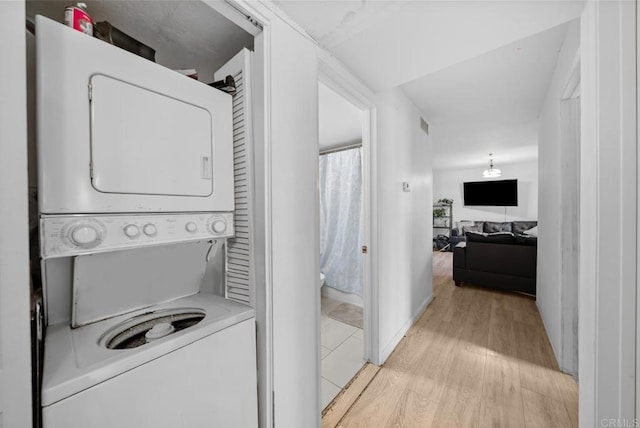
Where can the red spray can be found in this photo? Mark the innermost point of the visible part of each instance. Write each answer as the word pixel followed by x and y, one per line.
pixel 77 18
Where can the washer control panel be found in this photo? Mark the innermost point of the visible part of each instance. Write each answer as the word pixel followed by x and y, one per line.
pixel 67 235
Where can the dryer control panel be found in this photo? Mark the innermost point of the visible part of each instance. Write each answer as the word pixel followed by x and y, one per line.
pixel 68 235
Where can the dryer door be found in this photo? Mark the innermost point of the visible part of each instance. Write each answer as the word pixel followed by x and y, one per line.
pixel 147 143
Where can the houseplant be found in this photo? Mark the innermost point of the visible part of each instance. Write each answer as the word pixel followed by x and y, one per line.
pixel 440 213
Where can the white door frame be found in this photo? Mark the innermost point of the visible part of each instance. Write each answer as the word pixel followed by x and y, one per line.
pixel 608 215
pixel 249 15
pixel 637 404
pixel 15 328
pixel 332 74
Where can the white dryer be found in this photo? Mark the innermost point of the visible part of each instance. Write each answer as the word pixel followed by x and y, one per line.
pixel 120 134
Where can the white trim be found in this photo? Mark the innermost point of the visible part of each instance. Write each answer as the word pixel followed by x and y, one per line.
pixel 333 74
pixel 608 178
pixel 637 403
pixel 372 345
pixel 15 329
pixel 386 352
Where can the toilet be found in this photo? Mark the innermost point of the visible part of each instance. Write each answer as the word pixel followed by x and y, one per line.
pixel 322 279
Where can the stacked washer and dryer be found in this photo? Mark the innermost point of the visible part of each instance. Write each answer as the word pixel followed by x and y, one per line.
pixel 135 193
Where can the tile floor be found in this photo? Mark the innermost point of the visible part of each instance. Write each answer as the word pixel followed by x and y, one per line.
pixel 341 352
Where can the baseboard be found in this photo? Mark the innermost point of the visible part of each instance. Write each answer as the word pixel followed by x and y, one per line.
pixel 387 350
pixel 335 294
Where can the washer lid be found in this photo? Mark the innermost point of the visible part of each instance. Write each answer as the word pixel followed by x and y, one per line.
pixel 110 284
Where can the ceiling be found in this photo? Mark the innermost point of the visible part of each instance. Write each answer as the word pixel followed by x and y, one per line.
pixel 477 70
pixel 490 103
pixel 340 122
pixel 185 34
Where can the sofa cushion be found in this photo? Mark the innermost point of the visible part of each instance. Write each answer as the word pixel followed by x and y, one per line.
pixel 523 239
pixel 492 227
pixel 499 259
pixel 518 227
pixel 494 238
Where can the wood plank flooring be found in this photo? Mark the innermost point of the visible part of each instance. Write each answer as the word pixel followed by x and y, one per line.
pixel 475 358
pixel 349 395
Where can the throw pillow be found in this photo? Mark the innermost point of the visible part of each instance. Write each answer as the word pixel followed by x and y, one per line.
pixel 522 226
pixel 466 229
pixel 492 227
pixel 532 232
pixel 461 224
pixel 492 238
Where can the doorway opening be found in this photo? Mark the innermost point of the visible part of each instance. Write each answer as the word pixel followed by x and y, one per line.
pixel 342 237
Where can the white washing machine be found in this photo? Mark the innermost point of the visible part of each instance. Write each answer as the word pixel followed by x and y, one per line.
pixel 138 344
pixel 107 374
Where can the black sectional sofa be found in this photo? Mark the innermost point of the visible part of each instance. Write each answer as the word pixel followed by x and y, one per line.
pixel 502 256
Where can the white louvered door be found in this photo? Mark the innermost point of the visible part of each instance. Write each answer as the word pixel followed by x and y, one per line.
pixel 240 249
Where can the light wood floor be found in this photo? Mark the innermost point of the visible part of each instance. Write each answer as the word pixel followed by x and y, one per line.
pixel 476 358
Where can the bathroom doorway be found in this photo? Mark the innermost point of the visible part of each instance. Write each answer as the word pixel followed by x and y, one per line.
pixel 342 238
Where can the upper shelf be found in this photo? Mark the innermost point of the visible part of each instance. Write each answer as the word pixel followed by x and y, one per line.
pixel 184 34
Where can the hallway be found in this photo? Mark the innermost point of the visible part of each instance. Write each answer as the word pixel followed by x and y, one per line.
pixel 475 358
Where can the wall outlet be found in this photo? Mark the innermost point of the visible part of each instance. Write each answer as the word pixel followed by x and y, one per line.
pixel 405 187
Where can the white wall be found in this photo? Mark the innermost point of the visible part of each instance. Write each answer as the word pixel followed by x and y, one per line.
pixel 447 183
pixel 404 236
pixel 403 278
pixel 550 192
pixel 15 348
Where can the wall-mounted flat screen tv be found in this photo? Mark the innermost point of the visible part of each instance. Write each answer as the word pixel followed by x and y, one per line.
pixel 500 193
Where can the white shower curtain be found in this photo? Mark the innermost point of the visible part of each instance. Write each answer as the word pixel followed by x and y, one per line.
pixel 340 220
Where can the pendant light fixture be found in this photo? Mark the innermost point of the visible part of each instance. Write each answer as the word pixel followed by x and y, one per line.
pixel 491 172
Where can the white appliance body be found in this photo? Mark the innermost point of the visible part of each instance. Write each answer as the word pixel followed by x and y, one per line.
pixel 120 134
pixel 68 235
pixel 202 376
pixel 136 195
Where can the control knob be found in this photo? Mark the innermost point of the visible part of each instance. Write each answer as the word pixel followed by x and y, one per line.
pixel 85 235
pixel 219 226
pixel 150 229
pixel 131 230
pixel 191 227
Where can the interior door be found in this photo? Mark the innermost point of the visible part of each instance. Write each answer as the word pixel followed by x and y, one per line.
pixel 144 142
pixel 240 282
